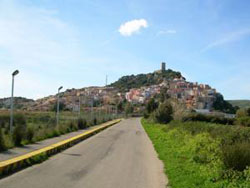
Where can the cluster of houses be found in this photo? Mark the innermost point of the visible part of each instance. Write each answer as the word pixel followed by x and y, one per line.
pixel 86 97
pixel 194 95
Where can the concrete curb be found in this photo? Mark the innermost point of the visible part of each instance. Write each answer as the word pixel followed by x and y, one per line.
pixel 11 165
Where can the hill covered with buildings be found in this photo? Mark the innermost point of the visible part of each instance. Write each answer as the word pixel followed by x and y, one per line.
pixel 135 89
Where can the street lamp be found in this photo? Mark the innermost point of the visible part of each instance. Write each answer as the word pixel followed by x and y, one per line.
pixel 12 100
pixel 57 111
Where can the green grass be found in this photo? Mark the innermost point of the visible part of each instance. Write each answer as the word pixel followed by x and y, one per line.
pixel 42 125
pixel 193 160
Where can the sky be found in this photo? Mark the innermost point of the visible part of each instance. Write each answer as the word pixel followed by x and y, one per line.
pixel 76 43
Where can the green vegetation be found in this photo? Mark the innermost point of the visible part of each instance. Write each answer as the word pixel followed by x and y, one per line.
pixel 30 127
pixel 201 154
pixel 200 150
pixel 164 113
pixel 136 81
pixel 208 118
pixel 243 117
pixel 129 109
pixel 224 106
pixel 240 103
pixel 19 102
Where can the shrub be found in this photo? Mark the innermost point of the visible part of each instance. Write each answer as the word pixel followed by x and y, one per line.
pixel 146 115
pixel 151 106
pixel 19 134
pixel 129 109
pixel 2 141
pixel 30 134
pixel 4 119
pixel 94 121
pixel 208 118
pixel 244 121
pixel 52 132
pixel 19 119
pixel 72 126
pixel 164 113
pixel 82 123
pixel 237 156
pixel 241 113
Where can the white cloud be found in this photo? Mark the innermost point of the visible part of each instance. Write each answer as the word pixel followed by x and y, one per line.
pixel 164 32
pixel 228 38
pixel 133 26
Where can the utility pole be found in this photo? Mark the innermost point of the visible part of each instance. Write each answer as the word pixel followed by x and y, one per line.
pixel 58 105
pixel 12 100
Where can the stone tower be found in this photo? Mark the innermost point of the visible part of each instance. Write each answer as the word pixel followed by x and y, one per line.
pixel 163 67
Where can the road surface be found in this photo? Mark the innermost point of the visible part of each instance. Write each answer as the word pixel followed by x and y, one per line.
pixel 119 157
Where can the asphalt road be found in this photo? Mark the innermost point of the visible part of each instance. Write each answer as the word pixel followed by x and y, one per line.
pixel 119 157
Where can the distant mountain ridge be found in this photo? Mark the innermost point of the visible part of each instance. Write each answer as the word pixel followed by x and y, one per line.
pixel 126 83
pixel 240 103
pixel 19 103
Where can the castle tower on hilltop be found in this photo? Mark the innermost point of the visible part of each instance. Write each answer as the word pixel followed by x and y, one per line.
pixel 163 67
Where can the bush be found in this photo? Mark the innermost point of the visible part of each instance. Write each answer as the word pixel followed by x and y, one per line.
pixel 151 106
pixel 146 115
pixel 237 156
pixel 94 121
pixel 164 113
pixel 73 126
pixel 19 119
pixel 241 113
pixel 4 120
pixel 244 121
pixel 30 134
pixel 2 141
pixel 208 118
pixel 82 123
pixel 129 109
pixel 19 134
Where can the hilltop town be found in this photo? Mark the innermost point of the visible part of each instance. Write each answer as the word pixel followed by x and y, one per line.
pixel 136 89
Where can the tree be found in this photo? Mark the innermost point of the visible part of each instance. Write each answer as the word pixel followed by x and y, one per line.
pixel 224 106
pixel 248 111
pixel 163 96
pixel 164 113
pixel 120 107
pixel 129 109
pixel 62 106
pixel 151 106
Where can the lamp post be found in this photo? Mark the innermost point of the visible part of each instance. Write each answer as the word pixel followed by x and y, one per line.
pixel 79 106
pixel 12 100
pixel 58 103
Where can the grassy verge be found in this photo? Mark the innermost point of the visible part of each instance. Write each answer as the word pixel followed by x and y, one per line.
pixel 30 127
pixel 193 155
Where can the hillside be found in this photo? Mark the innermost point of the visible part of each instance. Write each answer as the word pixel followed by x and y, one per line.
pixel 136 81
pixel 19 103
pixel 240 103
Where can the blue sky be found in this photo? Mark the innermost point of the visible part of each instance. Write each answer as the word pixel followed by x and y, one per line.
pixel 75 43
